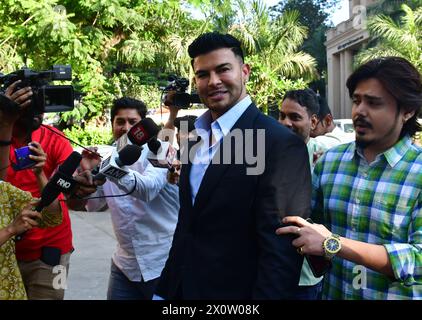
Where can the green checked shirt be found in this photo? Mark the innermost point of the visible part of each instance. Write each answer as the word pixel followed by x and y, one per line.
pixel 378 203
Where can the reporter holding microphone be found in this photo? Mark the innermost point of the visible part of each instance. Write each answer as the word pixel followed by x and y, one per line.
pixel 143 219
pixel 16 214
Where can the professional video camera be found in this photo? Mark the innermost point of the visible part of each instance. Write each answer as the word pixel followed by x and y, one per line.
pixel 45 98
pixel 182 99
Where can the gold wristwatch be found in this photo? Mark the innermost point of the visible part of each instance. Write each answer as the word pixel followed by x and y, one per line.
pixel 331 246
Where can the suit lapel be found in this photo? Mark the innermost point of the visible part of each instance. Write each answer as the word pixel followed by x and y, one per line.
pixel 185 190
pixel 217 168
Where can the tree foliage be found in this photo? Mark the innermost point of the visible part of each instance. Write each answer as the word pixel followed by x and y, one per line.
pixel 273 50
pixel 314 14
pixel 128 47
pixel 396 38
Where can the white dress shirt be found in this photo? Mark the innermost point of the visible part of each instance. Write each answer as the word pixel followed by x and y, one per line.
pixel 219 128
pixel 143 222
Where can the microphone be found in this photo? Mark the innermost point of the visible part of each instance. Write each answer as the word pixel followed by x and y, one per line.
pixel 61 181
pixel 161 154
pixel 111 167
pixel 139 134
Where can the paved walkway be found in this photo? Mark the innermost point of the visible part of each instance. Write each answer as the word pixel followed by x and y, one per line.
pixel 94 243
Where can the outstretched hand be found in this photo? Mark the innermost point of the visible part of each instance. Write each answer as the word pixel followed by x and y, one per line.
pixel 310 236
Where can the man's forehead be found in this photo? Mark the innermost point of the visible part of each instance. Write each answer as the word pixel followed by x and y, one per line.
pixel 127 113
pixel 215 58
pixel 371 87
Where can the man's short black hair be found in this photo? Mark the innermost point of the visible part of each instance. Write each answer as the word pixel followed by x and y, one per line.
pixel 190 119
pixel 401 79
pixel 128 103
pixel 211 41
pixel 307 98
pixel 324 109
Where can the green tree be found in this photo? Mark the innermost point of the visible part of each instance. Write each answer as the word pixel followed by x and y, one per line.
pixel 272 48
pixel 100 39
pixel 314 14
pixel 402 38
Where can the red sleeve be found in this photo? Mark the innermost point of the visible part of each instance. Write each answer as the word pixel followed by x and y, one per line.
pixel 61 148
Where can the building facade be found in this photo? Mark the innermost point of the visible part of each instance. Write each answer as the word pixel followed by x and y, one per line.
pixel 343 42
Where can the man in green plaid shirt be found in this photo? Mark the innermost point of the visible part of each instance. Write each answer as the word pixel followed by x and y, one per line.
pixel 368 194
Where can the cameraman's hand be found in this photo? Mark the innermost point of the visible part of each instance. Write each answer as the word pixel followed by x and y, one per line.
pixel 168 102
pixel 22 97
pixel 24 220
pixel 39 156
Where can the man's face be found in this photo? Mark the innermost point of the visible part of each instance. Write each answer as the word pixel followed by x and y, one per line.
pixel 375 115
pixel 295 117
pixel 220 79
pixel 123 121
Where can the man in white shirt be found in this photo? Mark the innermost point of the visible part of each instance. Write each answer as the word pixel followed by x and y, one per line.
pixel 325 132
pixel 144 221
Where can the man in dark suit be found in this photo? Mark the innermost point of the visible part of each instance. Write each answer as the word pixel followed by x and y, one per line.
pixel 225 246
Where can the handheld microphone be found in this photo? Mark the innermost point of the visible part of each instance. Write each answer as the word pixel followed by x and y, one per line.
pixel 139 134
pixel 111 167
pixel 61 181
pixel 161 154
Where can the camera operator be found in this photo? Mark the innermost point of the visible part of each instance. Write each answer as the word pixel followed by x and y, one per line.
pixel 40 250
pixel 16 216
pixel 143 221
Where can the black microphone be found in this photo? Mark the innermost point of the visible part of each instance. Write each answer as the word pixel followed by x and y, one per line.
pixel 161 154
pixel 139 134
pixel 111 167
pixel 143 131
pixel 61 181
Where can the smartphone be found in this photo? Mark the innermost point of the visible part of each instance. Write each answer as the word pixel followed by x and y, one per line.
pixel 22 159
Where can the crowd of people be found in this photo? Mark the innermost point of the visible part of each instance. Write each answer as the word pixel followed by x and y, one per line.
pixel 321 217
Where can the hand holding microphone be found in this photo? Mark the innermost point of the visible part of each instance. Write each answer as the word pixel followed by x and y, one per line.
pixel 112 166
pixel 61 181
pixel 24 221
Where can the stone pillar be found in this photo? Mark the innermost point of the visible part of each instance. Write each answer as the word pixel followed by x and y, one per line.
pixel 348 70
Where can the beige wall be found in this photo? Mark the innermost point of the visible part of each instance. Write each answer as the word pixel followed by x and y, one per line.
pixel 342 43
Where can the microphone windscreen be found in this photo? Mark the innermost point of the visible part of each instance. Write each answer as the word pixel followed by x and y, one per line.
pixel 142 131
pixel 129 155
pixel 51 191
pixel 154 145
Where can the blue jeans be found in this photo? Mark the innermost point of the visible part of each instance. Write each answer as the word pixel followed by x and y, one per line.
pixel 121 288
pixel 308 292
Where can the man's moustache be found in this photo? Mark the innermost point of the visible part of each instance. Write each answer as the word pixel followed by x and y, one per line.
pixel 362 123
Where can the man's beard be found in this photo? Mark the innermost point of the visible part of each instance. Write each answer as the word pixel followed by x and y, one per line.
pixel 361 143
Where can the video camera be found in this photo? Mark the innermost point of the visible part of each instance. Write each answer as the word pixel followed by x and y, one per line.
pixel 182 99
pixel 46 97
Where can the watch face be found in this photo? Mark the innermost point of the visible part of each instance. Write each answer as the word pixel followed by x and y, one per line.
pixel 332 245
